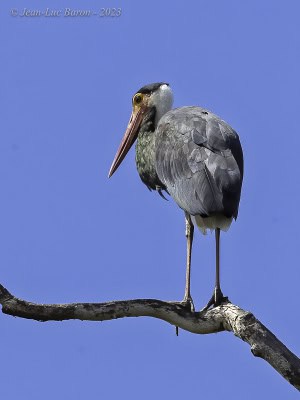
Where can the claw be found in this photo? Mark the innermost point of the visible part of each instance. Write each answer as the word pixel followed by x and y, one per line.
pixel 188 303
pixel 216 299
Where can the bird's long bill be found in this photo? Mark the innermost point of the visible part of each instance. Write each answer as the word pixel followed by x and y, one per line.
pixel 128 139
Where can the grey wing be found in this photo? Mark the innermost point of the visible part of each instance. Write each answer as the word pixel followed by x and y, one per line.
pixel 200 161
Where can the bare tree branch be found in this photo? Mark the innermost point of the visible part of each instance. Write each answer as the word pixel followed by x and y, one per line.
pixel 226 317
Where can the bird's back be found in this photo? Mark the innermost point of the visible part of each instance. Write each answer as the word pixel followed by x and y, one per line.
pixel 198 157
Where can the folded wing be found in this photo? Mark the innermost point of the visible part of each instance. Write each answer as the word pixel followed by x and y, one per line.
pixel 199 159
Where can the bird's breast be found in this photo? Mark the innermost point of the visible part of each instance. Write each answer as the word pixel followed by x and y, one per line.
pixel 145 160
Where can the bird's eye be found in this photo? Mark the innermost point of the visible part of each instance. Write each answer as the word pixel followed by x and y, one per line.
pixel 137 98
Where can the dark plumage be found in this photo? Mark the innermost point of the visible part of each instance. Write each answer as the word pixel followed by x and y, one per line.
pixel 145 152
pixel 191 154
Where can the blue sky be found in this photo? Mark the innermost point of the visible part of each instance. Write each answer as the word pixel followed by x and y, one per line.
pixel 69 234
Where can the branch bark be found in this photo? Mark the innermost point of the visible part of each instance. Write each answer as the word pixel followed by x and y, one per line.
pixel 226 317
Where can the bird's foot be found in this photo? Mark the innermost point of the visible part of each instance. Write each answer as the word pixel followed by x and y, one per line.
pixel 216 299
pixel 187 302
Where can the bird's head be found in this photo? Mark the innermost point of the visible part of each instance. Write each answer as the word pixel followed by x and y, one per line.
pixel 157 97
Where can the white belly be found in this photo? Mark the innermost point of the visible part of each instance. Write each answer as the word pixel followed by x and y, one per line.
pixel 216 221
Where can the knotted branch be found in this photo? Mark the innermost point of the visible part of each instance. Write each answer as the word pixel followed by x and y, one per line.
pixel 226 317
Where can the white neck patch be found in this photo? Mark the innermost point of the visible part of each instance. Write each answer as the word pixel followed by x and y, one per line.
pixel 162 99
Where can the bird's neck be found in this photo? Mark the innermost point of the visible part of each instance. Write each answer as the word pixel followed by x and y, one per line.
pixel 149 123
pixel 162 101
pixel 145 151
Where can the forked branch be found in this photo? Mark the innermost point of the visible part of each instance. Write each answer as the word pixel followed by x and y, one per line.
pixel 226 317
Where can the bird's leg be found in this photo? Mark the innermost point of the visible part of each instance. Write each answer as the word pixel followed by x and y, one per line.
pixel 217 296
pixel 189 233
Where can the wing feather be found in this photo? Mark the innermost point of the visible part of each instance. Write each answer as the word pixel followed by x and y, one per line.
pixel 199 159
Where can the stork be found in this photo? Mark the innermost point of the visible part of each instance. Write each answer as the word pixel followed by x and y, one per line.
pixel 192 155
